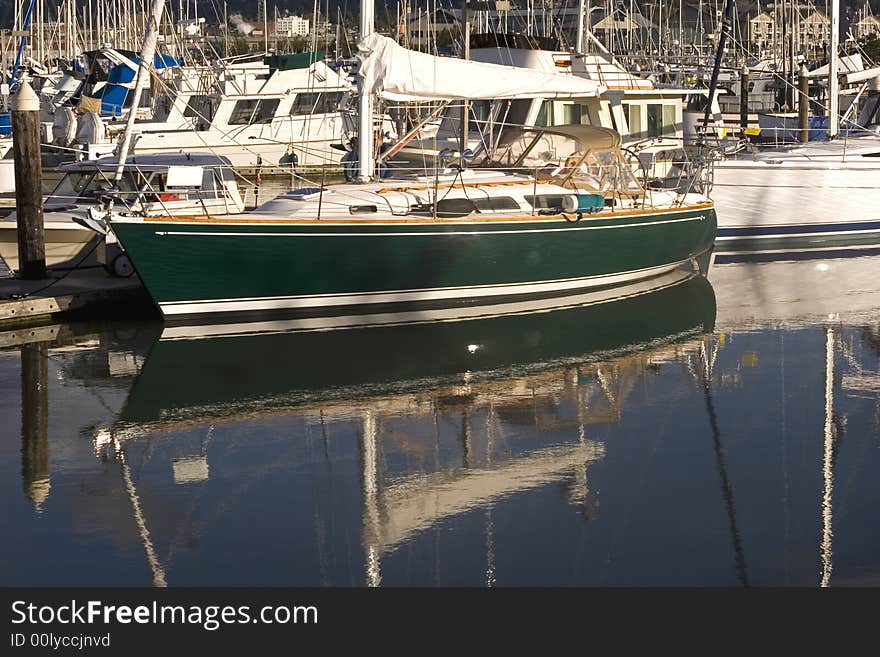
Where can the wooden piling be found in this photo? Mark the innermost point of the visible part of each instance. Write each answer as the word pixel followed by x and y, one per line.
pixel 804 106
pixel 25 112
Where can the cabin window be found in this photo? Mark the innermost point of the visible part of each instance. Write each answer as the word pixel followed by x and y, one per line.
pixel 571 113
pixel 199 107
pixel 260 110
pixel 316 103
pixel 655 120
pixel 495 203
pixel 869 113
pixel 668 119
pixel 450 208
pixel 480 114
pixel 545 201
pixel 157 188
pixel 697 102
pixel 517 112
pixel 305 103
pixel 209 184
pixel 661 119
pixel 633 118
pixel 153 188
pixel 545 114
pixel 146 99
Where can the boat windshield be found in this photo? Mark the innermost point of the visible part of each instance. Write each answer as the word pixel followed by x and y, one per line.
pixel 567 159
pixel 70 187
pixel 600 171
pixel 80 186
pixel 127 188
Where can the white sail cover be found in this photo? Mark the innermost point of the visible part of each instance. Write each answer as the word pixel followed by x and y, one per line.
pixel 403 75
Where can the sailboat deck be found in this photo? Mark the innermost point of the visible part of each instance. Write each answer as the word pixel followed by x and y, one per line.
pixel 386 220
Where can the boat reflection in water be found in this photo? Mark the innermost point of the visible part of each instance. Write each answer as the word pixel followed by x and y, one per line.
pixel 200 371
pixel 442 405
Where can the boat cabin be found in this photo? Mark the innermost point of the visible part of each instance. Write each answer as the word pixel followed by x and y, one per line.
pixel 150 184
pixel 572 169
pixel 251 113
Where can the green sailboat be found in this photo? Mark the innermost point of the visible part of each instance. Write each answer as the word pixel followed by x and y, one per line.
pixel 531 227
pixel 557 210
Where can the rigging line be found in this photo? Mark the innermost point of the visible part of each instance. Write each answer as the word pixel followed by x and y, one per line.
pixel 726 486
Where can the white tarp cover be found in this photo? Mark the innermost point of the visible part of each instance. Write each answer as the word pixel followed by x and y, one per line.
pixel 846 64
pixel 402 75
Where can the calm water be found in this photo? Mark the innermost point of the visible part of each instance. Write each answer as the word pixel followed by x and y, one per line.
pixel 720 433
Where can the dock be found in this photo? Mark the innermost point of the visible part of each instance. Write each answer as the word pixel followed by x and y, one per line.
pixel 90 292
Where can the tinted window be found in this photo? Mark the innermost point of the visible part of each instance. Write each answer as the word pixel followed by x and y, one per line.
pixel 493 204
pixel 545 201
pixel 254 111
pixel 545 114
pixel 316 102
pixel 199 107
pixel 571 114
pixel 661 120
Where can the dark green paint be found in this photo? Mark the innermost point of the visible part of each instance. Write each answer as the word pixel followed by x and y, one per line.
pixel 221 266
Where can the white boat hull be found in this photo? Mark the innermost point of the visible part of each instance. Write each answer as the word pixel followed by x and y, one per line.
pixel 784 205
pixel 66 244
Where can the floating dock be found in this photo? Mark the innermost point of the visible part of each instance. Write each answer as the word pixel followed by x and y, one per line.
pixel 92 291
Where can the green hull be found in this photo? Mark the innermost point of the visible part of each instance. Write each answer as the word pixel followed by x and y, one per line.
pixel 202 268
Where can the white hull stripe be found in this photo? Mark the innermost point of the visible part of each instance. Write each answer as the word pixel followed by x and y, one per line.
pixel 457 314
pixel 404 296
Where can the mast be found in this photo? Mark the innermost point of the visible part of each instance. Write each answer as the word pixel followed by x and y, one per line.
pixel 713 84
pixel 833 86
pixel 147 53
pixel 24 28
pixel 366 160
pixel 465 105
pixel 579 42
pixel 266 29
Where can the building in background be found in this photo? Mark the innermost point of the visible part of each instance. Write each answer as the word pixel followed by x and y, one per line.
pixel 291 26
